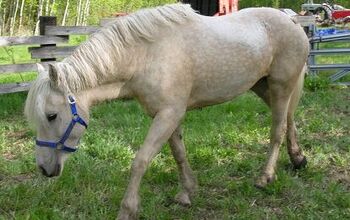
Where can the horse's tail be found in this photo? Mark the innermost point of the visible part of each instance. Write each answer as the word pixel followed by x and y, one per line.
pixel 293 103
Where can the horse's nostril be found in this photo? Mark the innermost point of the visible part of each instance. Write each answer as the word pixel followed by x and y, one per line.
pixel 43 171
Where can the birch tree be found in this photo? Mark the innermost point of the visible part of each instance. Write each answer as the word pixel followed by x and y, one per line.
pixel 77 21
pixel 21 16
pixel 52 7
pixel 13 18
pixel 65 15
pixel 40 10
pixel 47 6
pixel 86 12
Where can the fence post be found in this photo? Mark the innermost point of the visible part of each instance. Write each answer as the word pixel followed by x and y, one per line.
pixel 313 46
pixel 47 21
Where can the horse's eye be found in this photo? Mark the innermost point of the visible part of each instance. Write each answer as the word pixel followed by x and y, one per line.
pixel 51 117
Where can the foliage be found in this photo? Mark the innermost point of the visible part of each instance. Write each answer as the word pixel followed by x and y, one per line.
pixel 316 83
pixel 97 9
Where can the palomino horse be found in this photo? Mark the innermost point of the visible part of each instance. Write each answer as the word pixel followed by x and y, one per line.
pixel 171 60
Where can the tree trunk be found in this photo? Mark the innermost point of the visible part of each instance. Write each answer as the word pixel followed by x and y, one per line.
pixel 51 8
pixel 21 16
pixel 82 11
pixel 65 14
pixel 77 21
pixel 30 14
pixel 86 12
pixel 13 19
pixel 1 18
pixel 47 6
pixel 2 23
pixel 40 11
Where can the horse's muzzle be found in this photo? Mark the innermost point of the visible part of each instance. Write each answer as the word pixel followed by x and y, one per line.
pixel 55 172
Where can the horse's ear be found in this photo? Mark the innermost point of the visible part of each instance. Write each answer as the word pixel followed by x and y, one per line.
pixel 40 68
pixel 53 74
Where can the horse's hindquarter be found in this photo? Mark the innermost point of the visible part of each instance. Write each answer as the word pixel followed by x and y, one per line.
pixel 230 54
pixel 233 52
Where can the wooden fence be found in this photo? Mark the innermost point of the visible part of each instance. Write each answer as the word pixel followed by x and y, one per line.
pixel 45 47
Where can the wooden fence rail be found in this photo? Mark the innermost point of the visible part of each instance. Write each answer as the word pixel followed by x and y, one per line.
pixel 50 45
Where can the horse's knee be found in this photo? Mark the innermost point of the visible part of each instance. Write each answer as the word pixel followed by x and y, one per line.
pixel 139 164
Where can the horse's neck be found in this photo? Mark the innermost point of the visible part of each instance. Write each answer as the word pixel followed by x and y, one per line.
pixel 117 90
pixel 120 70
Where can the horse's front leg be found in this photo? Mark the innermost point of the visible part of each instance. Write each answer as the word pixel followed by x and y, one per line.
pixel 188 180
pixel 163 125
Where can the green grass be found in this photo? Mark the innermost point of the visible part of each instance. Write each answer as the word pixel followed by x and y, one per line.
pixel 226 146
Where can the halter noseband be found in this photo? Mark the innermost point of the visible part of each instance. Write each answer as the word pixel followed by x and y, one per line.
pixel 75 119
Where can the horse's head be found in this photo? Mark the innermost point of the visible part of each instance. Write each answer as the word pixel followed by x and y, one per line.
pixel 58 117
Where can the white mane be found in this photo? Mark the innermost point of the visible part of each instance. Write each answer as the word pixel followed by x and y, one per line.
pixel 97 59
pixel 36 100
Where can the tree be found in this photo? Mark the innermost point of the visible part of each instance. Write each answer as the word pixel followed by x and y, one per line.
pixel 86 12
pixel 21 16
pixel 13 18
pixel 65 15
pixel 40 11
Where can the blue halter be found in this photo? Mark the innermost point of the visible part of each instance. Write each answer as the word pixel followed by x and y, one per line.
pixel 60 144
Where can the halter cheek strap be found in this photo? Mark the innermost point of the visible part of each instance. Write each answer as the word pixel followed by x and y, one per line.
pixel 60 144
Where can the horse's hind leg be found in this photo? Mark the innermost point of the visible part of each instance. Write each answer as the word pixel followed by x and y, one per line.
pixel 187 178
pixel 261 88
pixel 294 151
pixel 279 92
pixel 279 105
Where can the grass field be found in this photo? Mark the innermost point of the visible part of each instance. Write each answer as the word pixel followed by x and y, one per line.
pixel 226 146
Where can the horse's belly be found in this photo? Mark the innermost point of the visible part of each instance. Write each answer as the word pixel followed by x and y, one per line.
pixel 227 63
pixel 215 90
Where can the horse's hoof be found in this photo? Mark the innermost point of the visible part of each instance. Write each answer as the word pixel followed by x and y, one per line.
pixel 183 198
pixel 263 180
pixel 125 215
pixel 301 164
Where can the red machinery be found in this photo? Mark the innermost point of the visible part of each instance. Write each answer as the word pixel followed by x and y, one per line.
pixel 340 14
pixel 327 12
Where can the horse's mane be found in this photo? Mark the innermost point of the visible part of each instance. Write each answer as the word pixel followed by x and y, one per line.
pixel 36 100
pixel 96 60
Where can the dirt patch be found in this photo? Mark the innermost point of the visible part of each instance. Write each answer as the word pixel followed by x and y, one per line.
pixel 16 178
pixel 341 176
pixel 17 135
pixel 16 141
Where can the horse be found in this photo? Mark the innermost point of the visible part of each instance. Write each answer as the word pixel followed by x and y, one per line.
pixel 171 60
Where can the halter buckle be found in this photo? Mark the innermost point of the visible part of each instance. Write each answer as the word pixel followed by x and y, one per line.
pixel 59 146
pixel 71 99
